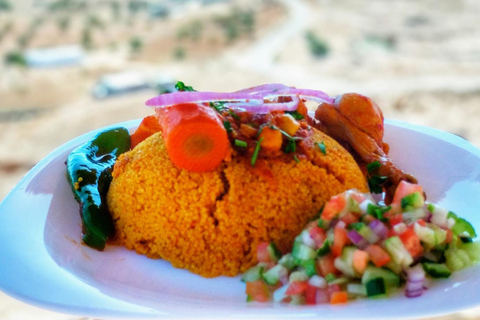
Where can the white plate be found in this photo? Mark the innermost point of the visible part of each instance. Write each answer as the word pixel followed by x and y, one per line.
pixel 44 263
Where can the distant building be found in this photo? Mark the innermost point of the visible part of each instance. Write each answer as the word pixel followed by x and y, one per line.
pixel 54 57
pixel 130 81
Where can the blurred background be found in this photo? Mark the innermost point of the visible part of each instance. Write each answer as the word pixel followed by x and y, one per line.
pixel 71 66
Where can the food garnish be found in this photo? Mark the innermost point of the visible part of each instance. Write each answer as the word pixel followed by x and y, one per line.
pixel 361 249
pixel 89 170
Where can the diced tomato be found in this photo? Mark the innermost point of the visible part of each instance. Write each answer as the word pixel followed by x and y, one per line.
pixel 311 294
pixel 449 236
pixel 360 261
pixel 262 253
pixel 296 287
pixel 318 235
pixel 412 242
pixel 377 255
pixel 334 206
pixel 339 241
pixel 339 297
pixel 404 189
pixel 349 218
pixel 325 265
pixel 257 291
pixel 358 197
pixel 421 222
pixel 395 219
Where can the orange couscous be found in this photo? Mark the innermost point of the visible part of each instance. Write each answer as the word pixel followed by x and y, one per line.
pixel 211 222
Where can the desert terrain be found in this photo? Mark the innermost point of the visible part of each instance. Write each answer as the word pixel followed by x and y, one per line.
pixel 419 60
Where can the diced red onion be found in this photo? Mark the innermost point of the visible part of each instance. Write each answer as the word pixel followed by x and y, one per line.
pixel 357 239
pixel 254 99
pixel 415 281
pixel 379 228
pixel 322 296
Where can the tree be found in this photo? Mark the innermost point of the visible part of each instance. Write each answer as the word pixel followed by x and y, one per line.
pixel 136 44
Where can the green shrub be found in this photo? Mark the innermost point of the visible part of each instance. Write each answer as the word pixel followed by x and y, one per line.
pixel 317 46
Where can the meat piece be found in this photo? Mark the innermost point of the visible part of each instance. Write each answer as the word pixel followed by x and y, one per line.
pixel 357 122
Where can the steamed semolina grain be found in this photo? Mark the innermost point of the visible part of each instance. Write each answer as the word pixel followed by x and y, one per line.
pixel 210 223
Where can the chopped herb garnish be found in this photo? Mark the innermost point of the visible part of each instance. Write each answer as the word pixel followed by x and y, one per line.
pixel 218 105
pixel 295 114
pixel 322 147
pixel 322 223
pixel 180 86
pixel 291 147
pixel 373 166
pixel 234 115
pixel 356 226
pixel 256 151
pixel 241 143
pixel 228 126
pixel 295 158
pixel 377 211
pixel 375 183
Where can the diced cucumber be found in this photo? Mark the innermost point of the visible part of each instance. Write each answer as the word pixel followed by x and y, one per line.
pixel 462 226
pixel 309 266
pixel 344 263
pixel 273 275
pixel 297 299
pixel 472 249
pixel 273 252
pixel 339 281
pixel 302 251
pixel 254 273
pixel 324 249
pixel 375 287
pixel 368 234
pixel 391 279
pixel 412 201
pixel 436 270
pixel 298 275
pixel 426 235
pixel 357 289
pixel 353 206
pixel 413 215
pixel 287 261
pixel 397 252
pixel 456 259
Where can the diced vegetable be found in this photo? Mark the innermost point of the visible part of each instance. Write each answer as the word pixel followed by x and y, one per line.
pixel 436 270
pixel 360 249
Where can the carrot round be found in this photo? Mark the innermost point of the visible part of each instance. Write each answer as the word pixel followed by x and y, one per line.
pixel 195 137
pixel 147 127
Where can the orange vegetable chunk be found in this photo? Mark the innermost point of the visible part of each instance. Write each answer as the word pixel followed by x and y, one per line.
pixel 147 127
pixel 195 137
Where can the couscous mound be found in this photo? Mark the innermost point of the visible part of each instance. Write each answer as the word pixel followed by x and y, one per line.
pixel 210 223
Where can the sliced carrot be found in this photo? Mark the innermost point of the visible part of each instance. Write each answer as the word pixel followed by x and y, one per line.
pixel 339 297
pixel 147 127
pixel 195 136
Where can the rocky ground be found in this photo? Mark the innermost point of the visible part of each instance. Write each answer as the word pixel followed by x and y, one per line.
pixel 420 60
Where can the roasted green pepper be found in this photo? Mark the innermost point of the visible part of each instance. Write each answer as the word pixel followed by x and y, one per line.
pixel 89 169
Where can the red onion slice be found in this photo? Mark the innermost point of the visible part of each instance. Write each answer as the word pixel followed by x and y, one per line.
pixel 172 98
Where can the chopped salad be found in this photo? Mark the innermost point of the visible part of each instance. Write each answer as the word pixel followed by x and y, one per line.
pixel 360 248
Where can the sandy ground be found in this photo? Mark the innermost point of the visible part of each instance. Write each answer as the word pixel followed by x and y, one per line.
pixel 421 65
